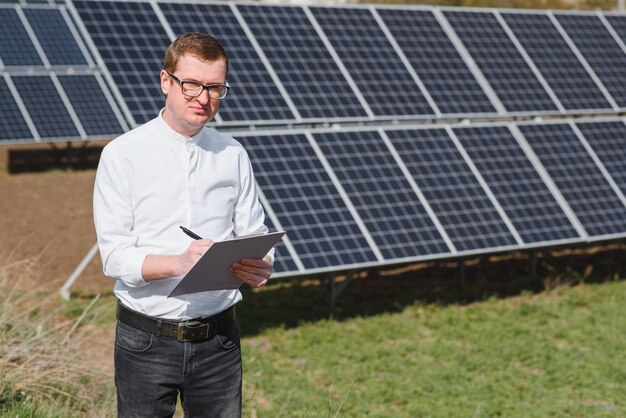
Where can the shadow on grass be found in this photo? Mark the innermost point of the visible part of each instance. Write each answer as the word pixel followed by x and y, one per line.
pixel 288 303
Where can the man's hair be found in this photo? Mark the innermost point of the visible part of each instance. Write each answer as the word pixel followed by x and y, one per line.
pixel 200 45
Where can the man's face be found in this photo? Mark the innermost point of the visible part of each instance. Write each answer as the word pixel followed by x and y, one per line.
pixel 188 115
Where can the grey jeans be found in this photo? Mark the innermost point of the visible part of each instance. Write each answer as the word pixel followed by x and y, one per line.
pixel 151 370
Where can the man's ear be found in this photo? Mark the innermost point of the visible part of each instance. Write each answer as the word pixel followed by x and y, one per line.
pixel 165 82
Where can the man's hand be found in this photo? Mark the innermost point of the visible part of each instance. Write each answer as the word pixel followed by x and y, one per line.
pixel 157 267
pixel 255 272
pixel 191 256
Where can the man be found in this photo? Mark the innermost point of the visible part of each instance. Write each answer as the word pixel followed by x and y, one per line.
pixel 171 172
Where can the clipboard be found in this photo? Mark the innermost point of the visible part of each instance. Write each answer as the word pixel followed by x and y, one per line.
pixel 212 271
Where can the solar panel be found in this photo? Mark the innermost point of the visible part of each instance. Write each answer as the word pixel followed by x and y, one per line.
pixel 132 42
pixel 380 75
pixel 306 202
pixel 254 95
pixel 283 262
pixel 455 195
pixel 441 68
pixel 558 64
pixel 521 192
pixel 45 107
pixel 302 62
pixel 600 50
pixel 577 177
pixel 91 105
pixel 12 123
pixel 608 141
pixel 516 85
pixel 55 37
pixel 16 48
pixel 381 194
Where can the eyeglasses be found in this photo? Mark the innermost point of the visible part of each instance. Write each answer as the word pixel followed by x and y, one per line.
pixel 195 89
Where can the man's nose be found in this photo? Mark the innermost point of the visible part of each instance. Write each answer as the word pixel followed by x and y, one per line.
pixel 204 97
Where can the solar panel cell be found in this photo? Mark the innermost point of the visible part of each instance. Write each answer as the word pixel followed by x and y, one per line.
pixel 45 107
pixel 55 37
pixel 371 61
pixel 578 178
pixel 511 177
pixel 308 205
pixel 608 140
pixel 16 48
pixel 12 123
pixel 455 195
pixel 381 194
pixel 558 64
pixel 600 50
pixel 91 105
pixel 435 59
pixel 302 62
pixel 516 85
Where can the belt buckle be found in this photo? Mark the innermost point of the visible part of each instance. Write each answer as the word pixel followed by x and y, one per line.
pixel 192 331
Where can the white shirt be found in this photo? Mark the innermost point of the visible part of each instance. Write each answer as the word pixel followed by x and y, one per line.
pixel 152 180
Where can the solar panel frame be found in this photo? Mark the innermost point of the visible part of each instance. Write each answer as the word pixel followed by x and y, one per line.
pixel 559 64
pixel 603 53
pixel 55 36
pixel 379 73
pixel 12 115
pixel 367 173
pixel 578 178
pixel 17 49
pixel 501 80
pixel 312 103
pixel 522 193
pixel 429 38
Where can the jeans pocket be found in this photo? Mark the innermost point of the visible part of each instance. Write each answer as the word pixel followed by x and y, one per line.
pixel 229 338
pixel 132 339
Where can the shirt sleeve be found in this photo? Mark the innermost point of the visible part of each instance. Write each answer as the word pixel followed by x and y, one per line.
pixel 249 217
pixel 122 259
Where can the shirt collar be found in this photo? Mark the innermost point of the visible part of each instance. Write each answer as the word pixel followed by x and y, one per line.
pixel 177 136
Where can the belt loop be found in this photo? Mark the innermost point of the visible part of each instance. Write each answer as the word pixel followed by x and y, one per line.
pixel 158 328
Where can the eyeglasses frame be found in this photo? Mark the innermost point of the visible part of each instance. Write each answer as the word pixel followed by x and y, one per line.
pixel 204 87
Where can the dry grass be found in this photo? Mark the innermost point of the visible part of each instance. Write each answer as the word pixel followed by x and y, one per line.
pixel 41 368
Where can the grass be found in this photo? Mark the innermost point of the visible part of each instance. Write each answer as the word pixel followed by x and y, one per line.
pixel 560 353
pixel 411 344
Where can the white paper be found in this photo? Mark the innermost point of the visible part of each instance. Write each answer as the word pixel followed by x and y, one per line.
pixel 212 271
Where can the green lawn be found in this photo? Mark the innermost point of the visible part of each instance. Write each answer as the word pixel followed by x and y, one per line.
pixel 559 353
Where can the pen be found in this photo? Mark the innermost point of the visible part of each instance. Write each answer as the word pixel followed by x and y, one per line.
pixel 191 234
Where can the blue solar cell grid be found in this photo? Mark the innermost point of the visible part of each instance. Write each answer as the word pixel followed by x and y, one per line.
pixel 90 104
pixel 381 194
pixel 426 45
pixel 455 195
pixel 283 262
pixel 132 42
pixel 302 62
pixel 254 95
pixel 517 186
pixel 372 62
pixel 307 204
pixel 578 178
pixel 16 48
pixel 55 37
pixel 608 141
pixel 600 50
pixel 45 107
pixel 558 64
pixel 513 81
pixel 12 123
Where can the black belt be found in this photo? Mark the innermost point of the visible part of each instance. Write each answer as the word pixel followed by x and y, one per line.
pixel 197 329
